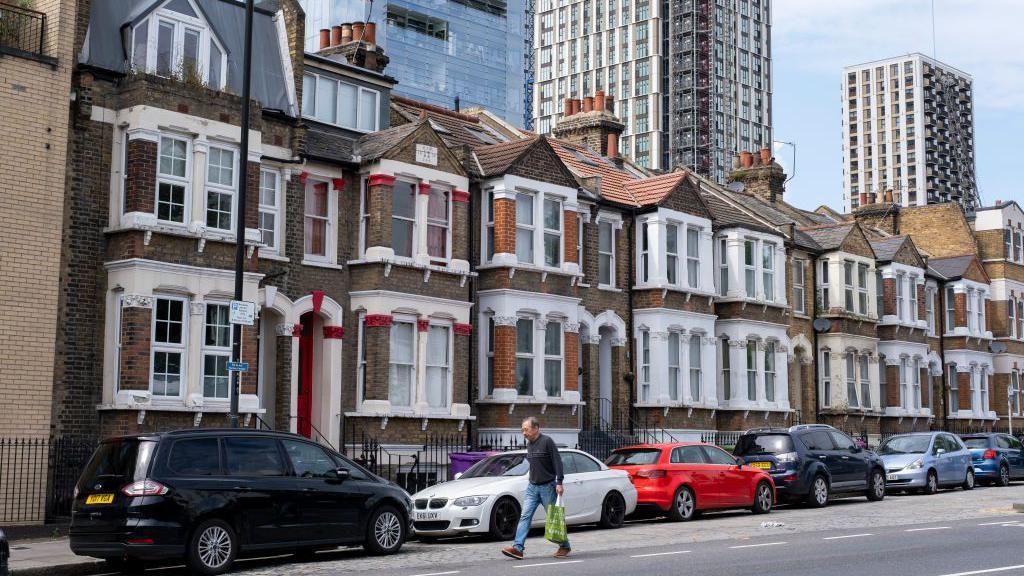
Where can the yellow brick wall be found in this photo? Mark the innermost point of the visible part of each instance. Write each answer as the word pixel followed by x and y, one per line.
pixel 939 229
pixel 34 133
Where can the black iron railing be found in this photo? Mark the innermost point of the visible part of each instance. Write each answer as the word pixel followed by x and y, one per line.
pixel 38 477
pixel 21 28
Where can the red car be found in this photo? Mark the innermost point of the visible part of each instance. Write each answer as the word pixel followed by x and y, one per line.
pixel 684 479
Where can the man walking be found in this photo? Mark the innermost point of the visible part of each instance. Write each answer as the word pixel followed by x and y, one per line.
pixel 544 487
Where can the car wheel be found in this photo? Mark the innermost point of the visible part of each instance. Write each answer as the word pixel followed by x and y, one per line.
pixel 818 496
pixel 1004 475
pixel 613 511
pixel 969 480
pixel 213 548
pixel 876 489
pixel 931 485
pixel 684 505
pixel 504 519
pixel 763 499
pixel 385 531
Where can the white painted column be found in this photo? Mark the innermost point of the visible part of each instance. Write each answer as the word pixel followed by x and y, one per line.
pixel 710 370
pixel 657 244
pixel 659 368
pixel 706 257
pixel 420 253
pixel 759 362
pixel 781 270
pixel 684 367
pixel 192 384
pixel 200 155
pixel 420 391
pixel 734 254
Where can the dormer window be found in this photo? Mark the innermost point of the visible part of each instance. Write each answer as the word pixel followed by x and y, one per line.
pixel 175 42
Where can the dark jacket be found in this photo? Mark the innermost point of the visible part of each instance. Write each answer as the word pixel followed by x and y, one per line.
pixel 545 463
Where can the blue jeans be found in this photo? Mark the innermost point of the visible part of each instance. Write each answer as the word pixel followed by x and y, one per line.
pixel 536 495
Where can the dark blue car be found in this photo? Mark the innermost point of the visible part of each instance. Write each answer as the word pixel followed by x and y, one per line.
pixel 997 458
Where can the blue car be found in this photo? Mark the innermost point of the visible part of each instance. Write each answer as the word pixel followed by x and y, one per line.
pixel 926 461
pixel 997 458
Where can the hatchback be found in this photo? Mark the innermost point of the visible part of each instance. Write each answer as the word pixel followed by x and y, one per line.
pixel 997 458
pixel 211 495
pixel 926 461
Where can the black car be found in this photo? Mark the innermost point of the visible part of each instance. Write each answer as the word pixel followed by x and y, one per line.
pixel 813 462
pixel 211 495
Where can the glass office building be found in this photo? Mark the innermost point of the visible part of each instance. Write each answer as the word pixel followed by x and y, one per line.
pixel 473 49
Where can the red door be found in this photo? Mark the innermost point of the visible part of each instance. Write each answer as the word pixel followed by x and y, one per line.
pixel 305 395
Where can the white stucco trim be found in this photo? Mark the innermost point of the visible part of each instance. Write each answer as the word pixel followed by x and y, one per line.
pixel 388 302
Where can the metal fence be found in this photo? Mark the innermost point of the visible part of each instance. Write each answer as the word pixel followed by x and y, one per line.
pixel 21 28
pixel 38 477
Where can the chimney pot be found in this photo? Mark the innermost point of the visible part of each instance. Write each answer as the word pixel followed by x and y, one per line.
pixel 357 31
pixel 613 145
pixel 599 101
pixel 575 106
pixel 370 33
pixel 325 38
pixel 609 104
pixel 746 159
pixel 567 107
pixel 588 103
pixel 766 156
pixel 863 198
pixel 337 34
pixel 736 162
pixel 888 196
pixel 346 33
pixel 999 202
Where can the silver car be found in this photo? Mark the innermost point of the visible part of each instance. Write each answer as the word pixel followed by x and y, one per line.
pixel 926 461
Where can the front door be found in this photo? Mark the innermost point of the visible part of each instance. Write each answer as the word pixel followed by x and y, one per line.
pixel 605 379
pixel 305 392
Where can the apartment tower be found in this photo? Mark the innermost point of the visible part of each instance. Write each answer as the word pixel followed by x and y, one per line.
pixel 908 129
pixel 691 79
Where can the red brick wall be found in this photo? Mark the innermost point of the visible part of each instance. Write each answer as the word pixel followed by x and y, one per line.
pixel 378 229
pixel 136 331
pixel 889 296
pixel 504 226
pixel 572 360
pixel 892 385
pixel 140 180
pixel 378 355
pixel 504 357
pixel 963 384
pixel 960 309
pixel 570 234
pixel 922 305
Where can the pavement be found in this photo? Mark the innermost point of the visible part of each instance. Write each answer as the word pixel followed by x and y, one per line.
pixel 953 533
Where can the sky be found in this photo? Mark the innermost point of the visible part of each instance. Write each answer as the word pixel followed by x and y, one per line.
pixel 812 40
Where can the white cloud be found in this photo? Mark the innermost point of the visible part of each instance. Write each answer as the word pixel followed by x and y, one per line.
pixel 980 38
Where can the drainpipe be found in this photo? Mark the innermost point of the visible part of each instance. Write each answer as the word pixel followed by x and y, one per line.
pixel 630 278
pixel 815 364
pixel 474 335
pixel 941 305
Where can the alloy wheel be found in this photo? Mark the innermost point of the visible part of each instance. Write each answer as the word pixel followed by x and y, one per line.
pixel 615 510
pixel 879 485
pixel 1004 475
pixel 820 491
pixel 684 503
pixel 387 530
pixel 506 517
pixel 764 497
pixel 214 547
pixel 933 484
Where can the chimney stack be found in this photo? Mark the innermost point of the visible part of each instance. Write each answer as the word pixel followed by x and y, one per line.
pixel 599 101
pixel 888 196
pixel 575 106
pixel 863 198
pixel 746 159
pixel 760 175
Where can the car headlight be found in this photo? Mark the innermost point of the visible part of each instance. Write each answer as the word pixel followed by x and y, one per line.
pixel 915 465
pixel 470 501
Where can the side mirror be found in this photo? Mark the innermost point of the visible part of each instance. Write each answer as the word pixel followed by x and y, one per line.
pixel 340 474
pixel 458 475
pixel 940 451
pixel 855 449
pixel 739 462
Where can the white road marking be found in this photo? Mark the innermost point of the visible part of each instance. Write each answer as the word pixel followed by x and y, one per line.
pixel 757 545
pixel 548 564
pixel 989 571
pixel 927 529
pixel 998 523
pixel 660 554
pixel 437 573
pixel 847 536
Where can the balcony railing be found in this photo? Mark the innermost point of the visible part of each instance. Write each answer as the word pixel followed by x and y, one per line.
pixel 21 29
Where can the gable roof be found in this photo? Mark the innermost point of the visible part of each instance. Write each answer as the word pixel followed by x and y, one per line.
pixel 375 144
pixel 650 191
pixel 828 236
pixel 456 129
pixel 498 158
pixel 509 157
pixel 886 248
pixel 325 145
pixel 586 163
pixel 727 212
pixel 952 267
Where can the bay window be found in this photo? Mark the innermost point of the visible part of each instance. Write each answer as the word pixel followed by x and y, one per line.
pixel 971 318
pixel 865 384
pixel 912 291
pixel 693 256
pixel 826 379
pixel 605 253
pixel 172 179
pixel 645 253
pixel 980 311
pixel 552 232
pixel 553 359
pixel 768 271
pixel 916 398
pixel 316 220
pixel 950 309
pixel 402 363
pixel 524 228
pixel 216 351
pixel 900 296
pixel 851 380
pixel 904 392
pixel 672 253
pixel 752 370
pixel 726 371
pixel 438 224
pixel 438 365
pixel 823 284
pixel 645 366
pixel 723 267
pixel 403 218
pixel 220 188
pixel 769 371
pixel 524 356
pixel 673 366
pixel 750 268
pixel 862 289
pixel 799 280
pixel 954 394
pixel 270 209
pixel 340 103
pixel 176 43
pixel 696 374
pixel 170 332
pixel 848 285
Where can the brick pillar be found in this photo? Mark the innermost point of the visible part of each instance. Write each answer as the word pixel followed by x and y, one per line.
pixel 252 197
pixel 923 379
pixel 571 356
pixel 889 296
pixel 378 207
pixel 460 370
pixel 504 353
pixel 460 225
pixel 892 385
pixel 963 383
pixel 922 306
pixel 377 350
pixel 960 309
pixel 570 235
pixel 248 384
pixel 998 387
pixel 504 226
pixel 136 333
pixel 140 176
pixel 283 373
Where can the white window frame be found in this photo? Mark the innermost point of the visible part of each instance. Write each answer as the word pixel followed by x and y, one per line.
pixel 901 304
pixel 751 363
pixel 950 309
pixel 769 371
pixel 693 235
pixel 984 390
pixel 1014 400
pixel 851 380
pixel 645 253
pixel 180 22
pixel 548 233
pixel 826 378
pixel 672 257
pixel 488 242
pixel 446 394
pixel 170 347
pixel 799 286
pixel 915 402
pixel 447 225
pixel 912 297
pixel 929 309
pixel 273 211
pixel 823 286
pixel 849 269
pixel 863 301
pixel 221 189
pixel 695 351
pixel 674 373
pixel 411 366
pixel 361 356
pixel 1011 314
pixel 579 244
pixel 971 324
pixel 214 350
pixel 530 227
pixel 865 382
pixel 904 383
pixel 768 272
pixel 330 243
pixel 316 79
pixel 750 268
pixel 489 355
pixel 173 180
pixel 413 235
pixel 558 357
pixel 980 311
pixel 954 389
pixel 723 266
pixel 610 255
pixel 644 381
pixel 528 356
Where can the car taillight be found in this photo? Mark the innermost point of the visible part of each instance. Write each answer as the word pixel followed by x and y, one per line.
pixel 989 455
pixel 650 474
pixel 144 488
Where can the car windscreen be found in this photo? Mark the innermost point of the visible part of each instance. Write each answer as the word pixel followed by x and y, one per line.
pixel 905 445
pixel 634 457
pixel 499 465
pixel 975 443
pixel 116 463
pixel 768 444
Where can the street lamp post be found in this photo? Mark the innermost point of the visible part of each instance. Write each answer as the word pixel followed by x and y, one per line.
pixel 243 180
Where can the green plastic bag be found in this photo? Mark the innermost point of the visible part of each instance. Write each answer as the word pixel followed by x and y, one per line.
pixel 554 523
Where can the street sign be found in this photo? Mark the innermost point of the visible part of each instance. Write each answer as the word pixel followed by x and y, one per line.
pixel 238 366
pixel 243 312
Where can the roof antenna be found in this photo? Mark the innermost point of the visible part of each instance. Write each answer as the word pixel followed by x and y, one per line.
pixel 457 104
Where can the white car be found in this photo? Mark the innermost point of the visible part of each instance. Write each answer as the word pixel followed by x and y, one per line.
pixel 488 498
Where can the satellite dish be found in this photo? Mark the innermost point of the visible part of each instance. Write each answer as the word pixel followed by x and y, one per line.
pixel 997 347
pixel 822 325
pixel 735 186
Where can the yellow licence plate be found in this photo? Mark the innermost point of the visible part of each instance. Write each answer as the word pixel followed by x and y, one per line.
pixel 100 499
pixel 762 465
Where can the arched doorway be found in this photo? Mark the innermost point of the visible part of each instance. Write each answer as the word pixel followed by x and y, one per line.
pixel 310 369
pixel 604 370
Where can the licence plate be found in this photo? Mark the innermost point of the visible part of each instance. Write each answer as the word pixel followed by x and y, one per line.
pixel 762 465
pixel 426 515
pixel 891 478
pixel 100 499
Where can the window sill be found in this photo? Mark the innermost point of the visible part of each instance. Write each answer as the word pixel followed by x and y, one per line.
pixel 530 268
pixel 530 400
pixel 411 414
pixel 322 264
pixel 410 263
pixel 749 301
pixel 609 288
pixel 274 256
pixel 147 222
pixel 212 406
pixel 906 413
